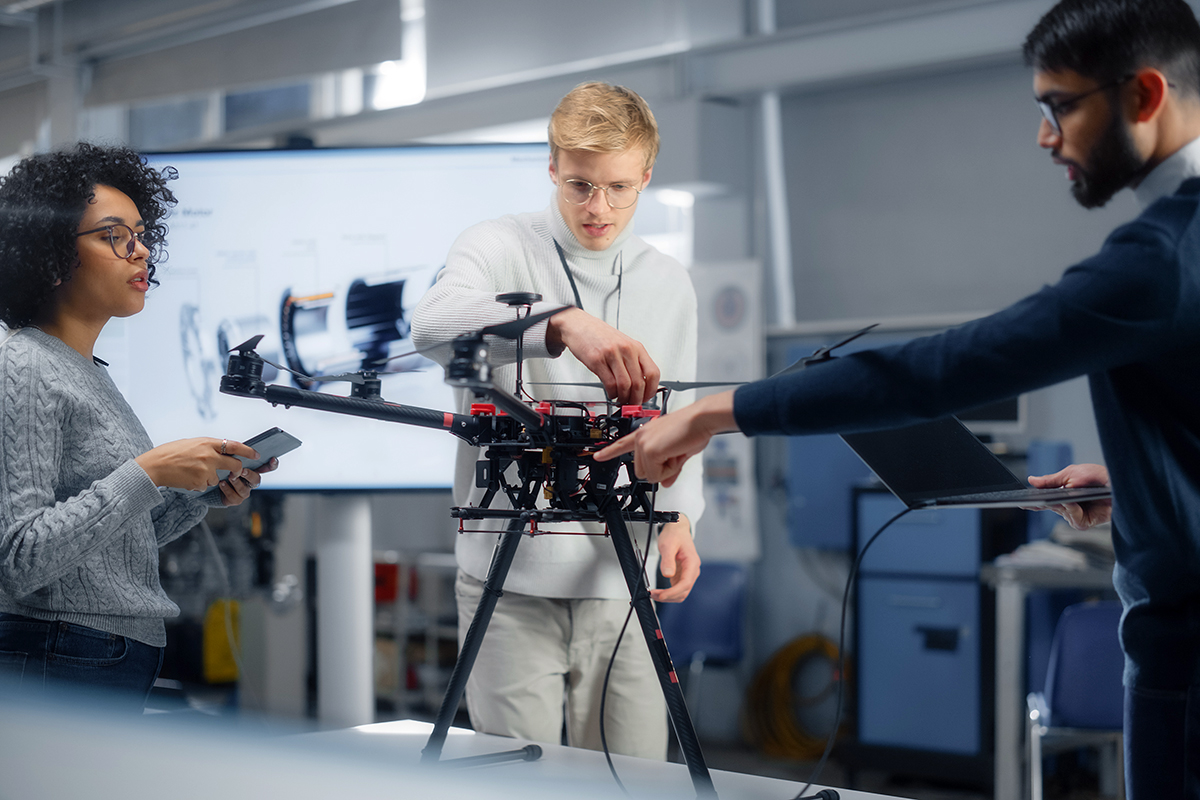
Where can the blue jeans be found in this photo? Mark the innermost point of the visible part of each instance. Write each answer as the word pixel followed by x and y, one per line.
pixel 38 657
pixel 1162 744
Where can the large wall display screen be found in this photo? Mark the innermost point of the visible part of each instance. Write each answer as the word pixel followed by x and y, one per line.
pixel 325 253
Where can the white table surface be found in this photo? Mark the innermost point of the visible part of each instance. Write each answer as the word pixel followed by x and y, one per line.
pixel 582 772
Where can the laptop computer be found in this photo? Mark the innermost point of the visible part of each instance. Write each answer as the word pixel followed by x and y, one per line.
pixel 942 464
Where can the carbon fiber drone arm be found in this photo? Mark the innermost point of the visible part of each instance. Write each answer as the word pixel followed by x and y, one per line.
pixel 244 378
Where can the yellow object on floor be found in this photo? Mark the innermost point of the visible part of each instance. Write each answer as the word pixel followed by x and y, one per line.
pixel 220 666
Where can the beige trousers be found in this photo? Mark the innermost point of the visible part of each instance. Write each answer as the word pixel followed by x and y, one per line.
pixel 542 663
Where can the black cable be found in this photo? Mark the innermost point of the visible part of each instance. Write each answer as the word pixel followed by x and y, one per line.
pixel 620 277
pixel 604 697
pixel 574 289
pixel 841 668
pixel 612 659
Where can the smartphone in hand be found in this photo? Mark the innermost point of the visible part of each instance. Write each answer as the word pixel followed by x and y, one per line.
pixel 269 444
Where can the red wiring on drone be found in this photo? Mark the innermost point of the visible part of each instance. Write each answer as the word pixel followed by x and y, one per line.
pixel 533 530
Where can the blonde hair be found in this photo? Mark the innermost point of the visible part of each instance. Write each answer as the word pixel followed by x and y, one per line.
pixel 602 118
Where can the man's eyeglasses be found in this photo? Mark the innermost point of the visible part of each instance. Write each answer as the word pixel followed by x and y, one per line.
pixel 122 238
pixel 619 195
pixel 1052 108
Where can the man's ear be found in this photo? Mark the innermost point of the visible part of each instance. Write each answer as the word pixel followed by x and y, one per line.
pixel 553 171
pixel 1151 87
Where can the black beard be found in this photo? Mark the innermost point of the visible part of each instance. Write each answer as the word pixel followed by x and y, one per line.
pixel 1113 164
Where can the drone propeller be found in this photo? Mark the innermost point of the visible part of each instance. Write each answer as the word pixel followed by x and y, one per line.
pixel 248 346
pixel 514 328
pixel 351 377
pixel 505 330
pixel 674 386
pixel 683 386
pixel 821 353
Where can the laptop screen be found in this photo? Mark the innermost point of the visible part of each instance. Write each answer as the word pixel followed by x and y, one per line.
pixel 931 460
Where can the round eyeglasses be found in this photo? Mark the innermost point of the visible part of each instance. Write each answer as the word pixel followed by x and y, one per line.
pixel 122 239
pixel 619 195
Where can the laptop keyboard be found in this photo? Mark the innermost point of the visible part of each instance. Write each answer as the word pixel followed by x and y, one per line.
pixel 1022 494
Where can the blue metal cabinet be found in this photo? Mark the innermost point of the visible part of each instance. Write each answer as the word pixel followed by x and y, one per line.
pixel 930 542
pixel 924 637
pixel 821 471
pixel 919 666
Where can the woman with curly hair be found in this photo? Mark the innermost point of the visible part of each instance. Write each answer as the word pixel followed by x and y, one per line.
pixel 86 499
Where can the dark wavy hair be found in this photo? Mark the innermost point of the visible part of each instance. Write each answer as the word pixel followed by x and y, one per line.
pixel 42 202
pixel 1105 40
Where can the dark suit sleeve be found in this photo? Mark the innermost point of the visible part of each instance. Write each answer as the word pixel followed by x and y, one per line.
pixel 1116 308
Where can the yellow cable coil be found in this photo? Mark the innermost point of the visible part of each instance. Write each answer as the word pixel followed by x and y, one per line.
pixel 769 720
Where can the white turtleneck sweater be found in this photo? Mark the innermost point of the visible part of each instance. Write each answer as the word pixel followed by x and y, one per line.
pixel 631 286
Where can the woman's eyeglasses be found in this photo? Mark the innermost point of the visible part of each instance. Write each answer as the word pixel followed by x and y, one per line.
pixel 122 238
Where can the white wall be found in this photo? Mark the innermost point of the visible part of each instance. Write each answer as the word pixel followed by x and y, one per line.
pixel 929 195
pixel 472 40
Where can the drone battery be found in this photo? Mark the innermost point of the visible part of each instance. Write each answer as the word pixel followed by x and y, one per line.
pixel 483 474
pixel 566 477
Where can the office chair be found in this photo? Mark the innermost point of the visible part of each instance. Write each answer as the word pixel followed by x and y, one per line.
pixel 707 627
pixel 1082 703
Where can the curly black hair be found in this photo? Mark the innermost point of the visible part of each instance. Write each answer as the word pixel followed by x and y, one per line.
pixel 43 200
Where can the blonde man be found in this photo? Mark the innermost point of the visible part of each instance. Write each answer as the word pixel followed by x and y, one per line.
pixel 541 667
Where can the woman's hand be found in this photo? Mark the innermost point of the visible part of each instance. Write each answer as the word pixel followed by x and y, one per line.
pixel 193 463
pixel 236 488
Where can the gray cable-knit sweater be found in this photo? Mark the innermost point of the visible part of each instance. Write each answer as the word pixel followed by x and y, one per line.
pixel 80 521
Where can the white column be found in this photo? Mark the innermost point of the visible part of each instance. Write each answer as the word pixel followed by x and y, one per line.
pixel 1010 679
pixel 345 597
pixel 775 182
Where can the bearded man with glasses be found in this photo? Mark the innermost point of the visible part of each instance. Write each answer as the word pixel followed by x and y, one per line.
pixel 543 662
pixel 1118 83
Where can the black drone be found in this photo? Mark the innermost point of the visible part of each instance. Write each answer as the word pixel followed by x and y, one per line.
pixel 551 444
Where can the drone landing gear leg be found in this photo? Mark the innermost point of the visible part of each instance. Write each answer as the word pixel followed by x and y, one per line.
pixel 502 559
pixel 689 744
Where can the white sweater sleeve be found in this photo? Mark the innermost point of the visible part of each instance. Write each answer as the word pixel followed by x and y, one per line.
pixel 483 262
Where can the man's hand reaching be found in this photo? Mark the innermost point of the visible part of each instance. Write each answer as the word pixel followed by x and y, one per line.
pixel 624 367
pixel 661 446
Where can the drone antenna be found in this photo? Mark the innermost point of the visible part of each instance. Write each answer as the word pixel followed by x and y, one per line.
pixel 518 301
